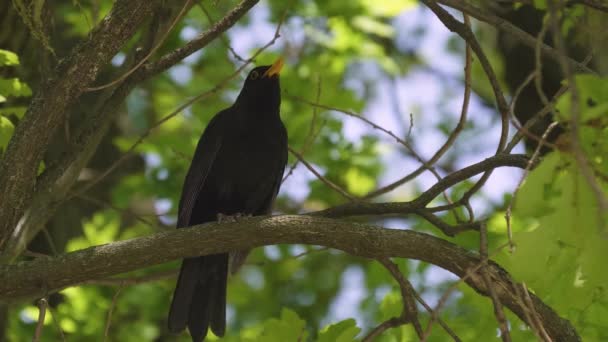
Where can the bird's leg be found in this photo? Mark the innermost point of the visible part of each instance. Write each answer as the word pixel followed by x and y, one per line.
pixel 237 258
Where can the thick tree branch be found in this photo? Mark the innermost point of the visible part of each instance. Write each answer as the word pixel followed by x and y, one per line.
pixel 37 277
pixel 54 184
pixel 49 106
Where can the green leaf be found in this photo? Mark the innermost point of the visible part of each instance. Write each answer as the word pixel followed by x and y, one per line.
pixel 357 182
pixel 8 58
pixel 6 132
pixel 568 269
pixel 540 4
pixel 388 8
pixel 391 305
pixel 17 111
pixel 290 327
pixel 344 331
pixel 593 98
pixel 14 87
pixel 370 25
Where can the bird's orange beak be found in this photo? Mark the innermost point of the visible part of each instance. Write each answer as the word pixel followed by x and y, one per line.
pixel 275 68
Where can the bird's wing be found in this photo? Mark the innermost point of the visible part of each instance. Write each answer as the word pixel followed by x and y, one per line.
pixel 204 156
pixel 264 198
pixel 279 175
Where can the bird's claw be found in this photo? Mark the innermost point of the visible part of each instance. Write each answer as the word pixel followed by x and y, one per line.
pixel 231 218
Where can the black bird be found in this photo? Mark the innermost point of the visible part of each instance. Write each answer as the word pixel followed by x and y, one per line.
pixel 236 170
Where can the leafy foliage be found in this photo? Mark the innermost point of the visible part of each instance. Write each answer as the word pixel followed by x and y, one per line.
pixel 10 88
pixel 347 55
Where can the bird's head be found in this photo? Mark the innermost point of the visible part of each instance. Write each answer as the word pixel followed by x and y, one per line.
pixel 262 90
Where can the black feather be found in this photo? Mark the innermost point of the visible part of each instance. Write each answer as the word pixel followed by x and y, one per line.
pixel 237 169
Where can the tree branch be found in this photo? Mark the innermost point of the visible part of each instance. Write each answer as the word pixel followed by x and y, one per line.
pixel 54 184
pixel 515 31
pixel 401 208
pixel 48 107
pixel 32 278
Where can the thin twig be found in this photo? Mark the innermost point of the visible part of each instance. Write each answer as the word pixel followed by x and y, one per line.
pixel 56 323
pixel 42 305
pixel 538 80
pixel 323 179
pixel 533 160
pixel 425 164
pixel 392 322
pixel 223 38
pixel 446 295
pixel 124 76
pixel 536 317
pixel 498 309
pixel 409 312
pixel 465 32
pixel 312 133
pixel 513 117
pixel 443 324
pixel 519 34
pixel 525 129
pixel 110 311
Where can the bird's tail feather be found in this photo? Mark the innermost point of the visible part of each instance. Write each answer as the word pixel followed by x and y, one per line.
pixel 199 300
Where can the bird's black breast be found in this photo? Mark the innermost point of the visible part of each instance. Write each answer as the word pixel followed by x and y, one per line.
pixel 247 169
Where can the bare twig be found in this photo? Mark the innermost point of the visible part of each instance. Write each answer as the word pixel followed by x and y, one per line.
pixel 536 317
pixel 535 325
pixel 498 310
pixel 514 121
pixel 42 305
pixel 323 179
pixel 538 80
pixel 465 32
pixel 444 325
pixel 124 76
pixel 409 313
pixel 223 38
pixel 390 323
pixel 420 203
pixel 524 129
pixel 312 133
pixel 203 39
pixel 446 295
pixel 110 311
pixel 56 324
pixel 533 160
pixel 425 165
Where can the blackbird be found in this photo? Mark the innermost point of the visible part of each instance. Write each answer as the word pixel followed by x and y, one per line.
pixel 236 170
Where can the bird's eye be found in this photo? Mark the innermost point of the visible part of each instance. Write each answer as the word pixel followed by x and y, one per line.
pixel 254 75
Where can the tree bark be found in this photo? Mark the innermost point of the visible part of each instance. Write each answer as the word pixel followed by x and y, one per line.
pixel 44 275
pixel 48 108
